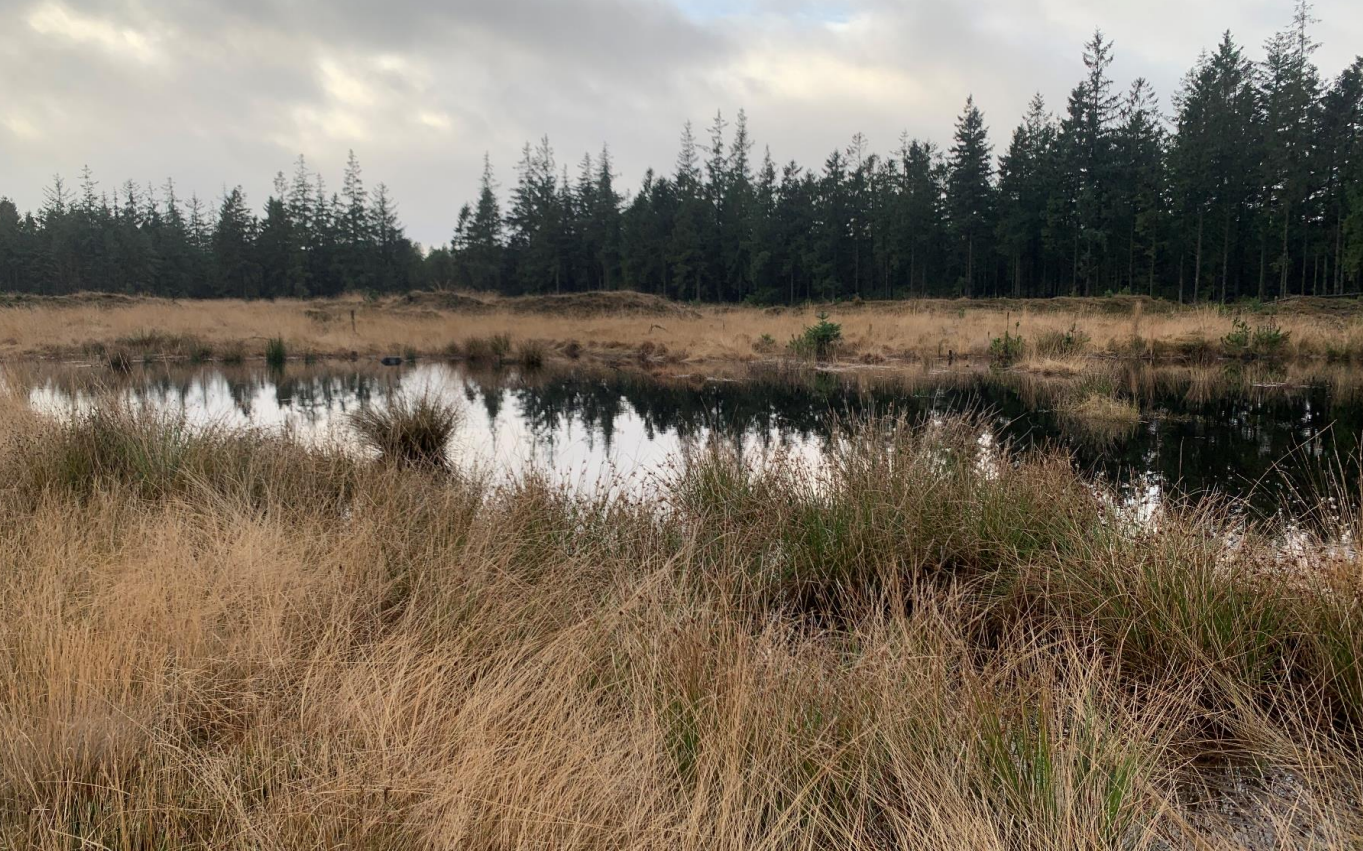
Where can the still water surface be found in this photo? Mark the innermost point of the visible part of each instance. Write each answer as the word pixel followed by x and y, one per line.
pixel 1270 439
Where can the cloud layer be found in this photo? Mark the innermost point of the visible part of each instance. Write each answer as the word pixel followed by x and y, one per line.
pixel 220 93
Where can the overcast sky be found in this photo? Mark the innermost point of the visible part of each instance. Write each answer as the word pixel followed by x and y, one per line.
pixel 221 92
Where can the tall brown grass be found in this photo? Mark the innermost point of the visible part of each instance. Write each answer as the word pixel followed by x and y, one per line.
pixel 914 329
pixel 225 641
pixel 414 431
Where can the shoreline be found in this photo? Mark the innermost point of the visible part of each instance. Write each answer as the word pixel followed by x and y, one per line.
pixel 1052 337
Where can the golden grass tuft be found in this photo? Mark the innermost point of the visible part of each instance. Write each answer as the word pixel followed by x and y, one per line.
pixel 413 431
pixel 914 647
pixel 1100 407
pixel 1053 366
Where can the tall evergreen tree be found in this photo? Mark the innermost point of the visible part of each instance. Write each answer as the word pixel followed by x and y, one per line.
pixel 481 252
pixel 970 193
pixel 237 273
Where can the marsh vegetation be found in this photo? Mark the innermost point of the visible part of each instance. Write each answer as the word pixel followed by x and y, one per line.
pixel 213 637
pixel 1071 335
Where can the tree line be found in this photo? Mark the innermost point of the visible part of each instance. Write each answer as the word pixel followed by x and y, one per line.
pixel 1250 187
pixel 307 242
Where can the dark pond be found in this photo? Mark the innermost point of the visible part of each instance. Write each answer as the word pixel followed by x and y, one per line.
pixel 1270 437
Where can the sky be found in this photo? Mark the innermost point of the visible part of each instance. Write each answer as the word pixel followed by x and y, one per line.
pixel 216 93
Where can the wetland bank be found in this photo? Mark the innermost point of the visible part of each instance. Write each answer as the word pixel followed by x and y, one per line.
pixel 769 603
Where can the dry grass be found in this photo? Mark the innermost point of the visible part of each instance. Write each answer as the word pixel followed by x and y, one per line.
pixel 217 641
pixel 411 431
pixel 431 326
pixel 1098 417
pixel 1070 365
pixel 1103 408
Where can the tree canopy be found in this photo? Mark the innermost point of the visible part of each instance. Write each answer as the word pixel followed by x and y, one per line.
pixel 1251 186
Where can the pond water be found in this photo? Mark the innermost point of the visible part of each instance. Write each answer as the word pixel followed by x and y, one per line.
pixel 1268 437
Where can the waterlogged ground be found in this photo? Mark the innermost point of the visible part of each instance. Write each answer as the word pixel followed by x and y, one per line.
pixel 1277 440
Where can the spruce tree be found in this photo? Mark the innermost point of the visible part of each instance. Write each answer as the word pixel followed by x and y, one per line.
pixel 970 193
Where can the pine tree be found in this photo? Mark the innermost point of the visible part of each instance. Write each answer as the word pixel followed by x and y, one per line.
pixel 1342 154
pixel 604 224
pixel 831 243
pixel 359 254
pixel 237 273
pixel 536 221
pixel 795 222
pixel 923 198
pixel 1091 159
pixel 274 250
pixel 12 271
pixel 686 253
pixel 393 251
pixel 1213 161
pixel 481 252
pixel 969 192
pixel 1139 183
pixel 763 231
pixel 734 216
pixel 1291 93
pixel 1023 193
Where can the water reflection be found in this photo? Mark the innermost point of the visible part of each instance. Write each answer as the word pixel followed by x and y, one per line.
pixel 1260 434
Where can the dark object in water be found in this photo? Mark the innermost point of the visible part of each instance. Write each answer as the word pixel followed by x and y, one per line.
pixel 391 361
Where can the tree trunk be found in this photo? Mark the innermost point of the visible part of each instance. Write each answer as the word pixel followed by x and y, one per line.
pixel 856 266
pixel 1303 261
pixel 1197 263
pixel 1339 238
pixel 1225 258
pixel 1074 276
pixel 1131 260
pixel 970 265
pixel 1263 264
pixel 1285 259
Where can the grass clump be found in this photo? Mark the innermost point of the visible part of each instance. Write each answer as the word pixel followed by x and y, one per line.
pixel 478 350
pixel 276 353
pixel 118 360
pixel 924 642
pixel 145 454
pixel 151 345
pixel 1102 408
pixel 1061 344
pixel 493 349
pixel 532 354
pixel 409 431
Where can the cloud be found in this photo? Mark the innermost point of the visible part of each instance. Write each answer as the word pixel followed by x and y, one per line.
pixel 55 21
pixel 219 92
